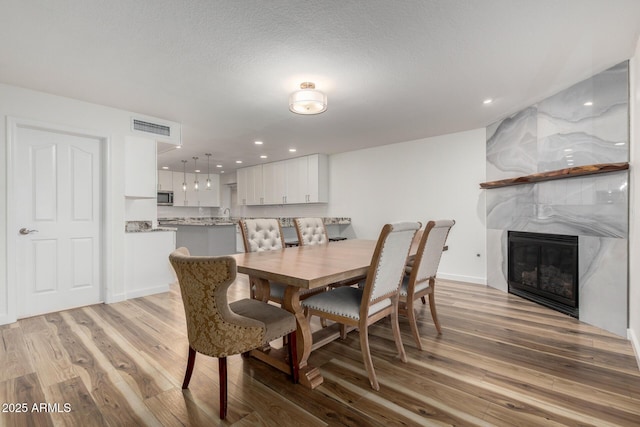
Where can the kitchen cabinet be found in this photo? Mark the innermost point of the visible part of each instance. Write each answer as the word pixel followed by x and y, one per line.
pixel 274 182
pixel 317 190
pixel 147 268
pixel 203 197
pixel 140 168
pixel 165 180
pixel 203 240
pixel 295 181
pixel 250 185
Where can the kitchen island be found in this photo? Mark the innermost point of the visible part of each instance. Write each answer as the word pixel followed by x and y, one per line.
pixel 216 236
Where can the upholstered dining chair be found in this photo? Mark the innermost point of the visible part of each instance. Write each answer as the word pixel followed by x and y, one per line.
pixel 220 329
pixel 421 278
pixel 311 231
pixel 361 307
pixel 265 234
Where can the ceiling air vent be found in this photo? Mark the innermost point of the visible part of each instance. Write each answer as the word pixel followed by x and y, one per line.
pixel 154 128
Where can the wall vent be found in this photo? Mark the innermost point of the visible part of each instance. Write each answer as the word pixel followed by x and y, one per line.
pixel 154 128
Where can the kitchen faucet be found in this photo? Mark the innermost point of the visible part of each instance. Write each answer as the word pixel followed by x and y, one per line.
pixel 226 212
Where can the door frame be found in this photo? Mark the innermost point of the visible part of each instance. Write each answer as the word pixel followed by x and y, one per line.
pixel 106 229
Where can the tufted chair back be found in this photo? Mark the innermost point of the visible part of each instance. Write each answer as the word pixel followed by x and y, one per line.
pixel 263 234
pixel 311 231
pixel 212 328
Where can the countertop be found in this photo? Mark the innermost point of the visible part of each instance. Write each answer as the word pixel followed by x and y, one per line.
pixel 144 227
pixel 218 221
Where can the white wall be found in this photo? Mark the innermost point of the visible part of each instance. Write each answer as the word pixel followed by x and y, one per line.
pixel 432 178
pixel 114 125
pixel 634 206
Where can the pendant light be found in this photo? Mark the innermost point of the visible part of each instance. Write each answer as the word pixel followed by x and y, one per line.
pixel 196 184
pixel 184 172
pixel 208 171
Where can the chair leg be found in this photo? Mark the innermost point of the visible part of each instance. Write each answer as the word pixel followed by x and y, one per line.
pixel 423 300
pixel 366 356
pixel 395 327
pixel 293 358
pixel 222 370
pixel 434 313
pixel 413 323
pixel 191 360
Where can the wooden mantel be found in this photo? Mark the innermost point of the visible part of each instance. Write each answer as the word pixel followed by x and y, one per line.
pixel 557 174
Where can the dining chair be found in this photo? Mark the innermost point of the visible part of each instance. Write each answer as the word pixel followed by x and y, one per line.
pixel 361 307
pixel 421 278
pixel 265 234
pixel 311 231
pixel 220 329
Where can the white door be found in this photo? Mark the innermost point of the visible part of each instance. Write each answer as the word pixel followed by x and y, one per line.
pixel 58 215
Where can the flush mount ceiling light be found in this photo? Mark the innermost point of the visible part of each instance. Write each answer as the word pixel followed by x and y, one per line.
pixel 308 100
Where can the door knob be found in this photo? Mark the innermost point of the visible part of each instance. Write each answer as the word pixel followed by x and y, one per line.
pixel 26 231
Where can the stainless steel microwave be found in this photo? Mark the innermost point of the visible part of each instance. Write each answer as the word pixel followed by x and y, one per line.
pixel 165 198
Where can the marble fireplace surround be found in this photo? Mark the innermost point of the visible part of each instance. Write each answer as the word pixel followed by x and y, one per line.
pixel 557 133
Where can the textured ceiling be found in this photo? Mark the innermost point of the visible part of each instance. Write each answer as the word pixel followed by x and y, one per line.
pixel 393 70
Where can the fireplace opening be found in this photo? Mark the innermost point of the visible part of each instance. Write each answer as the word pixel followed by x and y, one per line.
pixel 544 268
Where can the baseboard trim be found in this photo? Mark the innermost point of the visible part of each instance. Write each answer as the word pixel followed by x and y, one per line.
pixel 147 291
pixel 466 279
pixel 635 343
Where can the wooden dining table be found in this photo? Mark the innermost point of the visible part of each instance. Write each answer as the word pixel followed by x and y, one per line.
pixel 306 267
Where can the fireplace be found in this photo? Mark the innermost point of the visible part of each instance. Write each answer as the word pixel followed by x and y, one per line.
pixel 544 268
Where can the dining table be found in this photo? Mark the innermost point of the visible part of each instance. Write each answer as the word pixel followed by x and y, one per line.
pixel 307 267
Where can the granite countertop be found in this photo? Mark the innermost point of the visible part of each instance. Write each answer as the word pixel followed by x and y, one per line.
pixel 198 221
pixel 143 227
pixel 213 221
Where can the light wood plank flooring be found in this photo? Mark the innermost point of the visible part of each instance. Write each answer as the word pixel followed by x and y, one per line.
pixel 500 361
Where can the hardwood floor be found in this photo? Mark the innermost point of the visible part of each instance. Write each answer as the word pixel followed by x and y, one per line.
pixel 500 361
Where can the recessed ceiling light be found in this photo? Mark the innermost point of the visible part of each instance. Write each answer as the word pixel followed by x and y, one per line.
pixel 218 166
pixel 588 103
pixel 165 167
pixel 238 161
pixel 197 170
pixel 221 171
pixel 568 149
pixel 178 146
pixel 619 143
pixel 292 150
pixel 263 156
pixel 568 156
pixel 258 142
pixel 487 101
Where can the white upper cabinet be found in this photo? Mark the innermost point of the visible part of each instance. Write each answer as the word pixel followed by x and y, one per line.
pixel 140 167
pixel 165 180
pixel 294 181
pixel 203 197
pixel 250 186
pixel 274 183
pixel 317 179
pixel 241 177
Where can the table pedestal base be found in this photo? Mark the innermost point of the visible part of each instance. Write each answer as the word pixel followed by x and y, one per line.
pixel 310 376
